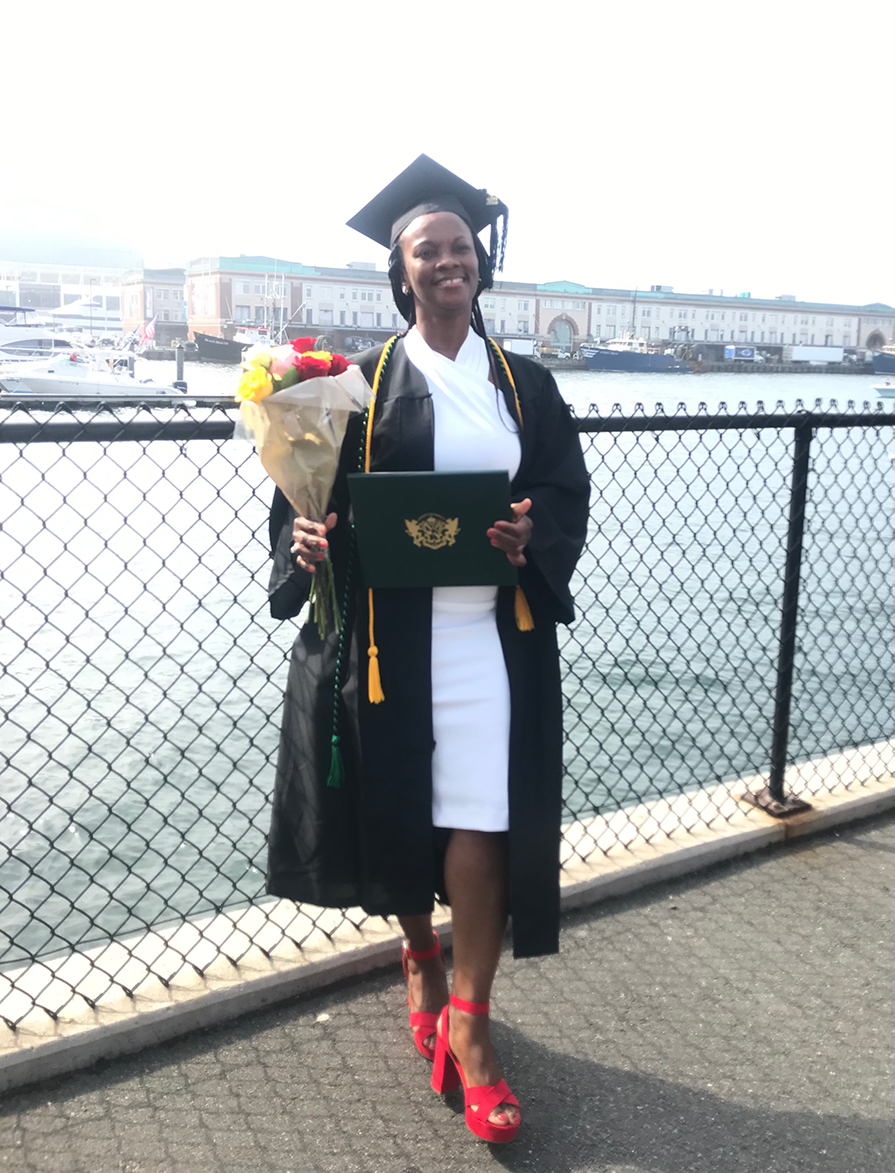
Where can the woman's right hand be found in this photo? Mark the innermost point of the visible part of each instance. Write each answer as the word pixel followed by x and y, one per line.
pixel 309 544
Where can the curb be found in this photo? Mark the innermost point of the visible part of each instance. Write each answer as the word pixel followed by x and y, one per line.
pixel 115 1031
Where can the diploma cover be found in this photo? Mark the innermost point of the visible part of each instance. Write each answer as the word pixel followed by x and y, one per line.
pixel 427 529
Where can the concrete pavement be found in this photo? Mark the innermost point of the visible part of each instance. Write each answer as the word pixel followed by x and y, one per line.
pixel 736 1021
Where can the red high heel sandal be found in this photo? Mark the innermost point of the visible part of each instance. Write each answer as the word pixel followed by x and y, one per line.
pixel 422 1023
pixel 447 1074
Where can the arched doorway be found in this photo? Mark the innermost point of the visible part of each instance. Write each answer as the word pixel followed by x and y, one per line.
pixel 876 341
pixel 562 334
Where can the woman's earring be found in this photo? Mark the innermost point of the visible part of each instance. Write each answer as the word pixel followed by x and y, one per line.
pixel 404 289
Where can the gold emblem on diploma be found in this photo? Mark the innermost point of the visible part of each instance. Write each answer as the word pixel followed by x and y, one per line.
pixel 433 531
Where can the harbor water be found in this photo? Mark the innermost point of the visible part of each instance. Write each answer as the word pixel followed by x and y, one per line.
pixel 143 676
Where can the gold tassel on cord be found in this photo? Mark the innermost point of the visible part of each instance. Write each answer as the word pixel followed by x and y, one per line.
pixel 374 685
pixel 524 620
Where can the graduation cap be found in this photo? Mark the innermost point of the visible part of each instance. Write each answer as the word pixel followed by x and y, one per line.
pixel 423 187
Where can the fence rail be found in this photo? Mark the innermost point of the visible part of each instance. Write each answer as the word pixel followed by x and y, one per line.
pixel 735 620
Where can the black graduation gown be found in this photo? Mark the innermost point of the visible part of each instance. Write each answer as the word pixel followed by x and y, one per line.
pixel 371 842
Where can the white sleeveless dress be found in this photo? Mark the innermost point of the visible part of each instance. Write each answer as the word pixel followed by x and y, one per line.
pixel 470 690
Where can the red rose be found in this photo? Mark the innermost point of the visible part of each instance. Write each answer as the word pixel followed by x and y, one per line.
pixel 300 345
pixel 312 368
pixel 338 364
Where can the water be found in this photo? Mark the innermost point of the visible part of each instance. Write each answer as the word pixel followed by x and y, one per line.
pixel 143 677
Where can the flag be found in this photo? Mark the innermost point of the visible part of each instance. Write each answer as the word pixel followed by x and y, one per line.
pixel 129 339
pixel 149 331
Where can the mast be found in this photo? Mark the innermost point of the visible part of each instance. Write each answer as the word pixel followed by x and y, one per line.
pixel 634 315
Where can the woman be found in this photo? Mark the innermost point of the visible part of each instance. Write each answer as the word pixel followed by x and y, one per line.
pixel 452 782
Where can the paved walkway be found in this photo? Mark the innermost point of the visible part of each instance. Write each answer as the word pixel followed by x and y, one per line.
pixel 735 1022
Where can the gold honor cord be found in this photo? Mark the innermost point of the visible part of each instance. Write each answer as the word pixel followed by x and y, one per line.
pixel 375 695
pixel 524 620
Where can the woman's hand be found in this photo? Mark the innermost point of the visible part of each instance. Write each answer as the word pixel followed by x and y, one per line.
pixel 513 536
pixel 309 542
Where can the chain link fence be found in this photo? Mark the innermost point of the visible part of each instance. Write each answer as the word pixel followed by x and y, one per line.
pixel 142 676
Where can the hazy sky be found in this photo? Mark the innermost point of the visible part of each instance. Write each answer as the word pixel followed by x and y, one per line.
pixel 700 143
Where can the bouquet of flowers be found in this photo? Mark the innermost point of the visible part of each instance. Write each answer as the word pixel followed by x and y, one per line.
pixel 295 401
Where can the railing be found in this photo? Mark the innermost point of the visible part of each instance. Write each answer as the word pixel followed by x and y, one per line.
pixel 735 620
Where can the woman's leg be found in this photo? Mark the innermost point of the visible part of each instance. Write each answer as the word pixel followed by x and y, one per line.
pixel 477 881
pixel 426 980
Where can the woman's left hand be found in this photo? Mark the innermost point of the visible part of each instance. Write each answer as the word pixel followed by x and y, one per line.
pixel 513 536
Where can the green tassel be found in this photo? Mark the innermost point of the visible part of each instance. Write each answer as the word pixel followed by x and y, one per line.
pixel 335 767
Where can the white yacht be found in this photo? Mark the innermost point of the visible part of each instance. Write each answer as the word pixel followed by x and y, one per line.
pixel 23 338
pixel 75 375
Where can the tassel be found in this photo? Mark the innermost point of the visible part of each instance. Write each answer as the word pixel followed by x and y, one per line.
pixel 336 769
pixel 374 685
pixel 524 620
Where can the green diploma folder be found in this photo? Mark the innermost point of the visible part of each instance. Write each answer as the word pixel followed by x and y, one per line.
pixel 427 529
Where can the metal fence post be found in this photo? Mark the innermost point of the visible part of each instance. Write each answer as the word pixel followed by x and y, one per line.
pixel 772 798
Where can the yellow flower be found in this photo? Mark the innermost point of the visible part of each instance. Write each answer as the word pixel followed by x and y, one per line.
pixel 255 385
pixel 257 356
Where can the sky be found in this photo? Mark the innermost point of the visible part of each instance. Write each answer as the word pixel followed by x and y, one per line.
pixel 703 145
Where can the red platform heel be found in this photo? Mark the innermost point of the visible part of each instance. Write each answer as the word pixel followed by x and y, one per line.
pixel 422 1023
pixel 447 1074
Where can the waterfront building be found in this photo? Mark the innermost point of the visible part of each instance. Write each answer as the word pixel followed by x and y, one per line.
pixel 159 294
pixel 74 285
pixel 354 306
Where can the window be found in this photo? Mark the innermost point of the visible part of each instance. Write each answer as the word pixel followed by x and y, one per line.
pixel 646 313
pixel 489 303
pixel 341 295
pixel 164 315
pixel 610 311
pixel 309 291
pixel 379 319
pixel 366 295
pixel 804 322
pixel 681 313
pixel 161 294
pixel 394 321
pixel 577 305
pixel 744 317
pixel 722 317
pixel 342 317
pixel 259 291
pixel 522 326
pixel 325 293
pixel 503 325
pixel 503 303
pixel 523 307
pixel 243 286
pixel 378 295
pixel 326 317
pixel 829 321
pixel 812 339
pixel 259 313
pixel 489 325
pixel 243 313
pixel 752 338
pixel 354 315
pixel 309 316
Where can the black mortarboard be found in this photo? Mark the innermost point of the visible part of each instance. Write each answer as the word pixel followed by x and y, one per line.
pixel 425 186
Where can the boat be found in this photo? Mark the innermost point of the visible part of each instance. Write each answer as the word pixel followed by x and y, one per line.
pixel 884 361
pixel 73 377
pixel 628 354
pixel 24 339
pixel 213 348
pixel 884 391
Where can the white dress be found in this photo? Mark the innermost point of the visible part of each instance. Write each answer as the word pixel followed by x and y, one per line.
pixel 470 690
